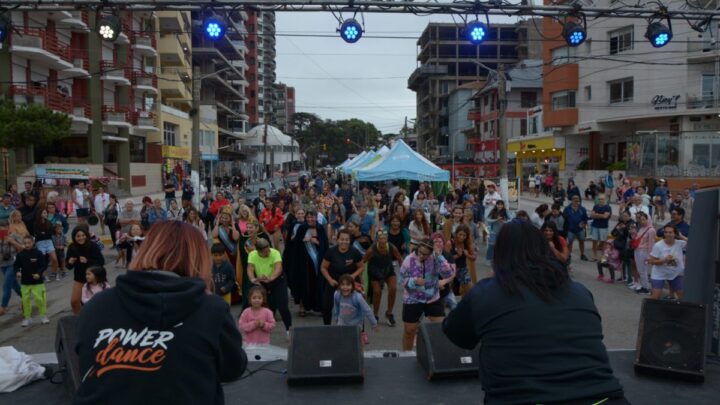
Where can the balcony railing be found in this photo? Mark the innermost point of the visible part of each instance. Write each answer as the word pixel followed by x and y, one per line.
pixel 117 113
pixel 144 79
pixel 39 38
pixel 143 38
pixel 81 107
pixel 111 68
pixel 79 58
pixel 474 114
pixel 143 119
pixel 694 102
pixel 49 98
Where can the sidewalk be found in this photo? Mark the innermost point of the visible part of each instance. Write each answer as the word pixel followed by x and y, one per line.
pixel 528 198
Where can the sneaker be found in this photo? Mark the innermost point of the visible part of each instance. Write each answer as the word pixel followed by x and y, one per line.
pixel 391 319
pixel 643 291
pixel 610 281
pixel 583 258
pixel 600 277
pixel 638 287
pixel 632 285
pixel 44 320
pixel 25 323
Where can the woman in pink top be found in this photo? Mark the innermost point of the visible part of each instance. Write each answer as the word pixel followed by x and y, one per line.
pixel 256 321
pixel 644 239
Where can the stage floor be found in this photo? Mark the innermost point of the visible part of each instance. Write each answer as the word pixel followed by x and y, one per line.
pixel 402 381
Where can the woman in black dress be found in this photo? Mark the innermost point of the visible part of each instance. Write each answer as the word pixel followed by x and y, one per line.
pixel 311 244
pixel 81 254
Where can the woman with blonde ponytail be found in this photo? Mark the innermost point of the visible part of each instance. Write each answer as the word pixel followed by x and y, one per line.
pixel 379 258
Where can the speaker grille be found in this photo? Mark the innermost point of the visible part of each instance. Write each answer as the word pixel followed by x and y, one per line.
pixel 325 354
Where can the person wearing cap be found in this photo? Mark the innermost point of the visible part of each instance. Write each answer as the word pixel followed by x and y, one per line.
pixel 491 197
pixel 265 268
pixel 420 275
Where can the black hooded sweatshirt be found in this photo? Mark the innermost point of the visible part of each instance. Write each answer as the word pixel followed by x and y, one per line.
pixel 157 338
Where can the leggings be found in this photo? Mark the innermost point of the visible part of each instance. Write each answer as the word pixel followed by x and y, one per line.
pixel 113 232
pixel 37 291
pixel 10 284
pixel 278 300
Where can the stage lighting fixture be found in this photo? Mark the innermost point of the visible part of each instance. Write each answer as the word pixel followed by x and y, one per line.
pixel 5 27
pixel 658 34
pixel 574 33
pixel 214 27
pixel 476 32
pixel 109 27
pixel 351 31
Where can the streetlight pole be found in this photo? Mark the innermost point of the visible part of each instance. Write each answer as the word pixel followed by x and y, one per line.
pixel 502 136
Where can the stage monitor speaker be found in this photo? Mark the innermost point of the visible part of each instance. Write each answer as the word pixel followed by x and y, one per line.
pixel 68 362
pixel 442 358
pixel 671 340
pixel 325 355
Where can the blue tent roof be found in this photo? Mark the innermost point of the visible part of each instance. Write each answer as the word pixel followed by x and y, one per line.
pixel 351 160
pixel 401 163
pixel 359 163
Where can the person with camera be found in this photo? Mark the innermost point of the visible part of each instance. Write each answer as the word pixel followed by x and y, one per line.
pixel 668 263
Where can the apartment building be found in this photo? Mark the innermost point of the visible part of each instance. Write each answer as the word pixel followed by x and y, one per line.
pixel 284 108
pixel 110 90
pixel 261 73
pixel 446 61
pixel 623 100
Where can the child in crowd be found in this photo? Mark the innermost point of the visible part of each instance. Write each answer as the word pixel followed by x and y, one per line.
pixel 222 272
pixel 128 245
pixel 257 321
pixel 96 281
pixel 60 243
pixel 30 264
pixel 610 259
pixel 350 306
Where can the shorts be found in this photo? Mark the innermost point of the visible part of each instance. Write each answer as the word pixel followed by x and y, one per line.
pixel 676 284
pixel 598 234
pixel 576 235
pixel 380 274
pixel 82 212
pixel 45 246
pixel 411 313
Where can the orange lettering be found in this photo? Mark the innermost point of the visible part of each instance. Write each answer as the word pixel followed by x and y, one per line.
pixel 125 367
pixel 157 357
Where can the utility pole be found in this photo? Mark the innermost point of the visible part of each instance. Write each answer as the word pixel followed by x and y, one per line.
pixel 265 168
pixel 195 158
pixel 502 136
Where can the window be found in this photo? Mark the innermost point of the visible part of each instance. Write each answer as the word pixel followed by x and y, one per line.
pixel 523 127
pixel 621 40
pixel 707 87
pixel 485 99
pixel 565 54
pixel 528 99
pixel 563 99
pixel 621 91
pixel 588 93
pixel 137 149
pixel 169 131
pixel 207 139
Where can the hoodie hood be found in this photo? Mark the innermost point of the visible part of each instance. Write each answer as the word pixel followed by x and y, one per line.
pixel 159 298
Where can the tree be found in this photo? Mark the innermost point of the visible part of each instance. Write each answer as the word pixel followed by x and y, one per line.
pixel 31 124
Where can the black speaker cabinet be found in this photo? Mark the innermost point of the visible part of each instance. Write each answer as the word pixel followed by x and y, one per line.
pixel 325 355
pixel 68 362
pixel 441 358
pixel 671 340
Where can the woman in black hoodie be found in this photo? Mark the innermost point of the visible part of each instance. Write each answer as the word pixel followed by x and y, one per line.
pixel 81 254
pixel 160 336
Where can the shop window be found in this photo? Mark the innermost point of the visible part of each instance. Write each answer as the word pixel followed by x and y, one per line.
pixel 621 40
pixel 563 99
pixel 621 91
pixel 169 133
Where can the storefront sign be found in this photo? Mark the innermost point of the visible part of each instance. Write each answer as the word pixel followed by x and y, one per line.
pixel 175 152
pixel 80 173
pixel 210 156
pixel 531 144
pixel 660 102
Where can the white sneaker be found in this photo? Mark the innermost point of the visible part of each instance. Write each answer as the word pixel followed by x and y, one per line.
pixel 633 285
pixel 638 287
pixel 45 320
pixel 25 323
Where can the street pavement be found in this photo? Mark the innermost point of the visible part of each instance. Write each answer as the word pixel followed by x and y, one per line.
pixel 618 306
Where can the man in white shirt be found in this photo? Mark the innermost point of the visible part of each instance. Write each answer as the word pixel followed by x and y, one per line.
pixel 668 263
pixel 102 199
pixel 80 200
pixel 637 206
pixel 491 198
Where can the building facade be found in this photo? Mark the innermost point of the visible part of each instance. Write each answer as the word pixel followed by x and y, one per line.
pixel 446 61
pixel 261 66
pixel 284 108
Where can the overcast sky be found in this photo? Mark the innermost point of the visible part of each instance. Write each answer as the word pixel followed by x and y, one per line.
pixel 336 80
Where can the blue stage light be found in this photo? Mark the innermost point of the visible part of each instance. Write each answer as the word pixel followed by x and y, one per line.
pixel 214 27
pixel 351 31
pixel 476 32
pixel 658 34
pixel 574 33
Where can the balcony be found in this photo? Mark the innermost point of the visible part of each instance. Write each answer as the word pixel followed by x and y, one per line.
pixel 145 82
pixel 117 116
pixel 81 111
pixel 111 72
pixel 144 43
pixel 77 21
pixel 174 83
pixel 474 114
pixel 80 69
pixel 144 121
pixel 37 45
pixel 694 102
pixel 42 96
